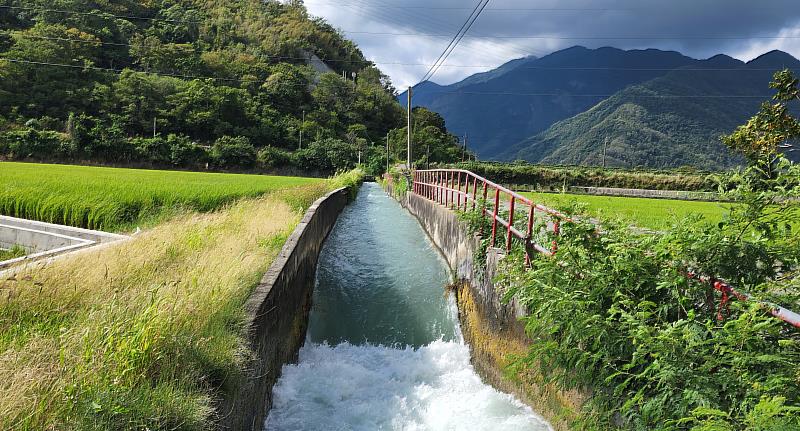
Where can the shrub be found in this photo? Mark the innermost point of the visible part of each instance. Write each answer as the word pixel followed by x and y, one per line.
pixel 184 152
pixel 327 155
pixel 233 152
pixel 271 157
pixel 36 144
pixel 154 150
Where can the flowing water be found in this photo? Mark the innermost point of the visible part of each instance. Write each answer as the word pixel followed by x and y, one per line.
pixel 384 350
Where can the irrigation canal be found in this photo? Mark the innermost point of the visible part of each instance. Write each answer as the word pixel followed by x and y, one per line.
pixel 384 349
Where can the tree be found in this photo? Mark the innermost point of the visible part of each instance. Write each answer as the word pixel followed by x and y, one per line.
pixel 772 130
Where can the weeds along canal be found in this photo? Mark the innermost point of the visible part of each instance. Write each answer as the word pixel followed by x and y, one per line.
pixel 384 350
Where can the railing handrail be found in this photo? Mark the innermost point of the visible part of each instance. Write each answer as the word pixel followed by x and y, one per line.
pixel 501 188
pixel 426 188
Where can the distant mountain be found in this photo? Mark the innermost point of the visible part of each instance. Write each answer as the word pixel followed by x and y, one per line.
pixel 670 121
pixel 526 96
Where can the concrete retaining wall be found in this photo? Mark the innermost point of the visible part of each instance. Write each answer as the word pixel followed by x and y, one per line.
pixel 491 328
pixel 45 240
pixel 277 316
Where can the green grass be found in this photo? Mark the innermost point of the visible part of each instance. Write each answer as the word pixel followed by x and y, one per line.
pixel 12 253
pixel 657 214
pixel 119 199
pixel 147 333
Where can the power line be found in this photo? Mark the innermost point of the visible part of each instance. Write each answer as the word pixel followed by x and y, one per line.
pixel 118 71
pixel 491 9
pixel 456 40
pixel 452 41
pixel 605 96
pixel 99 14
pixel 743 68
pixel 380 33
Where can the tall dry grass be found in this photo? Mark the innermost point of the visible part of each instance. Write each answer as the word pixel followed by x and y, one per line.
pixel 143 334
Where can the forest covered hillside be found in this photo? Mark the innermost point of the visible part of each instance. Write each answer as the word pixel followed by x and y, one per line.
pixel 671 121
pixel 225 84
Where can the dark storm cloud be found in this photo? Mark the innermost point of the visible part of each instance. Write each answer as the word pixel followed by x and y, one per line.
pixel 419 30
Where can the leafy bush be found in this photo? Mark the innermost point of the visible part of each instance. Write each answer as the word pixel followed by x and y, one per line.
pixel 230 152
pixel 271 157
pixel 184 152
pixel 31 143
pixel 638 319
pixel 556 177
pixel 154 150
pixel 328 155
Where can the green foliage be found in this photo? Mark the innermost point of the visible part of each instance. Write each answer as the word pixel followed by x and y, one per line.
pixel 772 130
pixel 14 252
pixel 229 151
pixel 616 313
pixel 202 70
pixel 542 177
pixel 30 143
pixel 328 155
pixel 432 142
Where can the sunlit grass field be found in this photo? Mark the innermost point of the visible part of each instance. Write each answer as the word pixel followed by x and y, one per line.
pixel 657 214
pixel 116 199
pixel 146 333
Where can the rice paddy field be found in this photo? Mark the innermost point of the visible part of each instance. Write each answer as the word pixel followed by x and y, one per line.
pixel 656 214
pixel 114 199
pixel 145 333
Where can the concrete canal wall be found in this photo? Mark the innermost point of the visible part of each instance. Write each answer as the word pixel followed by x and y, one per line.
pixel 277 316
pixel 491 327
pixel 46 240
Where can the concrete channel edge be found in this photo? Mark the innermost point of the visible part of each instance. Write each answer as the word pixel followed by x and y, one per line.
pixel 277 316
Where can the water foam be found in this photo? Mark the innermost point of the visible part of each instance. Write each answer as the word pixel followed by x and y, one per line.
pixel 367 387
pixel 380 282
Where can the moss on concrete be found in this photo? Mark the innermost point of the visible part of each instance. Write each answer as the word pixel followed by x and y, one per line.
pixel 492 354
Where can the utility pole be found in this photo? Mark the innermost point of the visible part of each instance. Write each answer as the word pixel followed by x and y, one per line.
pixel 409 128
pixel 387 153
pixel 464 150
pixel 154 127
pixel 605 145
pixel 302 125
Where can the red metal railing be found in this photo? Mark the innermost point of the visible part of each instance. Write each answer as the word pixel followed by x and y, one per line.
pixel 444 186
pixel 461 189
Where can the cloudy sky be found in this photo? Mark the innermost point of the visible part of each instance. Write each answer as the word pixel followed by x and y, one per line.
pixel 405 36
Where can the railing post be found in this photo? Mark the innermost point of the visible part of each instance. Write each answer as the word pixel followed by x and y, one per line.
pixel 439 187
pixel 474 192
pixel 466 192
pixel 483 211
pixel 529 235
pixel 510 223
pixel 494 215
pixel 458 194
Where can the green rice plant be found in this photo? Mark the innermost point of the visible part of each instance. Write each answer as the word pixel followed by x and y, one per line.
pixel 119 199
pixel 656 214
pixel 143 334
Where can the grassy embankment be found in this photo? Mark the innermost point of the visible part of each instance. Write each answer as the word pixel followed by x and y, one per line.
pixel 115 199
pixel 656 214
pixel 147 333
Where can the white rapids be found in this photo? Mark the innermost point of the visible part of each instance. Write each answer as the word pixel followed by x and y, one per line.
pixel 362 384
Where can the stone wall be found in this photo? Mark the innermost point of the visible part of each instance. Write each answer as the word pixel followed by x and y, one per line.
pixel 491 327
pixel 277 316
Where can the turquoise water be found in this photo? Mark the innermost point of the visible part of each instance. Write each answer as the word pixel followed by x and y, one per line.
pixel 384 350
